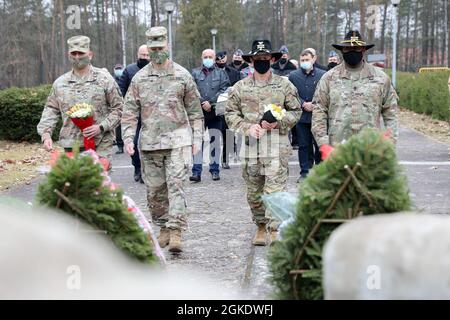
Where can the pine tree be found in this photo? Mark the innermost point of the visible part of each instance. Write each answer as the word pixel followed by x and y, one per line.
pixel 360 177
pixel 76 186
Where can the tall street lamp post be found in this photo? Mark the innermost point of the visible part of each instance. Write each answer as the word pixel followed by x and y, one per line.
pixel 214 32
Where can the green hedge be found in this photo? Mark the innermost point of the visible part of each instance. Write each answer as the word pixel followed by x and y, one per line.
pixel 425 93
pixel 20 112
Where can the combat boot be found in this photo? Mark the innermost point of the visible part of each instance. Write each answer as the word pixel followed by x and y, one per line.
pixel 164 237
pixel 175 241
pixel 260 237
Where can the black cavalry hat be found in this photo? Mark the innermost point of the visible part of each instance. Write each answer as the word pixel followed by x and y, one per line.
pixel 353 39
pixel 261 47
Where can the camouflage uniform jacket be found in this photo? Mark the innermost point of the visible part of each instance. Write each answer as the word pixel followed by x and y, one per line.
pixel 345 102
pixel 99 89
pixel 169 104
pixel 246 103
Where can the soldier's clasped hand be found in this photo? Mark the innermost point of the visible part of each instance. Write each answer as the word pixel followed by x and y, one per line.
pixel 92 131
pixel 308 106
pixel 256 131
pixel 268 126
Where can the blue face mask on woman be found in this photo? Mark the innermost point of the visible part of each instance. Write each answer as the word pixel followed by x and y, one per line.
pixel 208 63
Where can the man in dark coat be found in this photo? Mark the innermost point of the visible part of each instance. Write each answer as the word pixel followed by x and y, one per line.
pixel 305 80
pixel 211 82
pixel 124 83
pixel 283 67
pixel 238 63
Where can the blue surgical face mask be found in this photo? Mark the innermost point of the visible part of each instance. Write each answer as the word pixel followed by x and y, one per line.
pixel 208 62
pixel 306 65
pixel 118 73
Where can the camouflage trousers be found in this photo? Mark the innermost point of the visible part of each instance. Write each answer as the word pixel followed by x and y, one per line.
pixel 165 173
pixel 265 176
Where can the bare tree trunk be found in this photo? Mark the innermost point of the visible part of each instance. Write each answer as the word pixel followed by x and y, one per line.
pixel 122 31
pixel 383 27
pixel 135 26
pixel 407 53
pixel 39 14
pixel 416 27
pixel 53 55
pixel 153 17
pixel 336 20
pixel 319 23
pixel 432 34
pixel 362 12
pixel 285 19
pixel 158 22
pixel 63 36
pixel 447 26
pixel 425 30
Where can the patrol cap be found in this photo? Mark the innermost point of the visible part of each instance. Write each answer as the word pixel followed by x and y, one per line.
pixel 284 49
pixel 221 55
pixel 333 54
pixel 156 37
pixel 238 53
pixel 79 44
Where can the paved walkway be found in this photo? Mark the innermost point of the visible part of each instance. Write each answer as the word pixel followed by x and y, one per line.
pixel 218 240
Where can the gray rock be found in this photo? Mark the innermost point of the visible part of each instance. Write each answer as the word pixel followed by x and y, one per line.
pixel 396 256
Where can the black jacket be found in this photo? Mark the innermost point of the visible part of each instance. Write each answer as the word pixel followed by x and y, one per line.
pixel 306 85
pixel 280 70
pixel 210 87
pixel 127 76
pixel 233 75
pixel 319 66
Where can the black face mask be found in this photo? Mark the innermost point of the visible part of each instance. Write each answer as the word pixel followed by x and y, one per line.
pixel 353 58
pixel 261 66
pixel 221 65
pixel 283 60
pixel 142 63
pixel 331 65
pixel 237 63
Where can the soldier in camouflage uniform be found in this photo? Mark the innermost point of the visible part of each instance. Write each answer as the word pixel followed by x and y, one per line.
pixel 83 84
pixel 352 96
pixel 165 95
pixel 265 160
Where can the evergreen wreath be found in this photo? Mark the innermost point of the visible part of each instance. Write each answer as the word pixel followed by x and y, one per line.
pixel 361 177
pixel 76 185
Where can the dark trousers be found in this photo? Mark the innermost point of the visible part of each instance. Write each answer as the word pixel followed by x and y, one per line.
pixel 308 150
pixel 229 143
pixel 215 131
pixel 119 140
pixel 294 136
pixel 135 159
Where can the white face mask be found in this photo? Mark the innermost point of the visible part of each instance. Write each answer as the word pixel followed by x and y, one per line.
pixel 307 65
